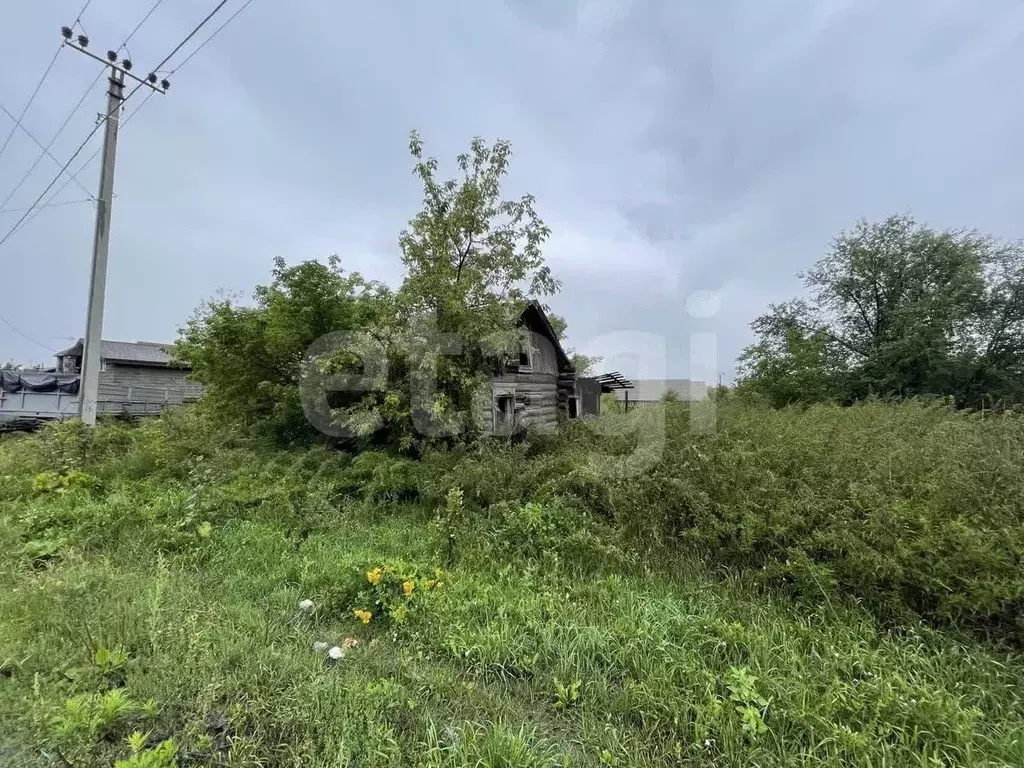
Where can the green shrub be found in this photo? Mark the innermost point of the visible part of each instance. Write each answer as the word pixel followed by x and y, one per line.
pixel 371 594
pixel 163 755
pixel 552 534
pixel 910 508
pixel 382 477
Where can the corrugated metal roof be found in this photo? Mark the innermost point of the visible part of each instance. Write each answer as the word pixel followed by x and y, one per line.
pixel 649 390
pixel 140 352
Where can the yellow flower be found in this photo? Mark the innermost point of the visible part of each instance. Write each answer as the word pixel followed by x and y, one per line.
pixel 430 584
pixel 363 616
pixel 407 587
pixel 374 576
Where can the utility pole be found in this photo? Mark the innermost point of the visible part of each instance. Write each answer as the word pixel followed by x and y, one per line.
pixel 88 390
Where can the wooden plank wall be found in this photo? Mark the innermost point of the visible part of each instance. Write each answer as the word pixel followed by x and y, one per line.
pixel 536 398
pixel 146 384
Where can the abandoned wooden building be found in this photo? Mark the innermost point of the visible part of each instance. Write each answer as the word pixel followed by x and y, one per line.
pixel 536 388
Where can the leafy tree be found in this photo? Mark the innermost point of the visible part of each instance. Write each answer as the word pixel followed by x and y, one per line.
pixel 791 362
pixel 472 259
pixel 584 364
pixel 250 357
pixel 897 309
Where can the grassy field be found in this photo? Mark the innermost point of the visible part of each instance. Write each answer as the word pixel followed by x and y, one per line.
pixel 535 605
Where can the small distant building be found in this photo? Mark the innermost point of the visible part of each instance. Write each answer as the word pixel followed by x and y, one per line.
pixel 651 391
pixel 135 377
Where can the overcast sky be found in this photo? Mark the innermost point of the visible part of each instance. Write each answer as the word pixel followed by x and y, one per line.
pixel 690 157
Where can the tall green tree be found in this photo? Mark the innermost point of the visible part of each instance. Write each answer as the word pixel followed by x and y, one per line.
pixel 897 309
pixel 472 259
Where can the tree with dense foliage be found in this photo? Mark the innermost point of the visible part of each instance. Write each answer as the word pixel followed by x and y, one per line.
pixel 897 310
pixel 249 358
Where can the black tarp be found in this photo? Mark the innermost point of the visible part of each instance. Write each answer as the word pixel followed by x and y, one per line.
pixel 24 381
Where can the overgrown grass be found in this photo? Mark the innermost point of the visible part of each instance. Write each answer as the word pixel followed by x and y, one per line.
pixel 557 613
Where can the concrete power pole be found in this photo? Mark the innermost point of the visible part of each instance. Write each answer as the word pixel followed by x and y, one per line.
pixel 88 391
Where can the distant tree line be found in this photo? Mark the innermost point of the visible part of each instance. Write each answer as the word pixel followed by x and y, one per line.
pixel 897 310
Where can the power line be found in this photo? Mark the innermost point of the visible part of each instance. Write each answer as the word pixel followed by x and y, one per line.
pixel 45 153
pixel 39 85
pixel 181 45
pixel 17 120
pixel 52 182
pixel 48 205
pixel 24 335
pixel 74 111
pixel 131 115
pixel 139 25
pixel 106 117
pixel 85 7
pixel 215 33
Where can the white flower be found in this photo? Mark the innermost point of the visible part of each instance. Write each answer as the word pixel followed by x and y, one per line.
pixel 335 653
pixel 707 743
pixel 320 647
pixel 305 605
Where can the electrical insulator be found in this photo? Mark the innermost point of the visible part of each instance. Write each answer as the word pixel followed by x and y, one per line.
pixel 151 77
pixel 127 64
pixel 165 84
pixel 111 56
pixel 66 31
pixel 83 41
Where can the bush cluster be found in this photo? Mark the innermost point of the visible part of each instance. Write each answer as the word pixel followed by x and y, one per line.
pixel 909 509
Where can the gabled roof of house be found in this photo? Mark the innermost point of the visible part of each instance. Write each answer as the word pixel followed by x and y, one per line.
pixel 131 352
pixel 534 314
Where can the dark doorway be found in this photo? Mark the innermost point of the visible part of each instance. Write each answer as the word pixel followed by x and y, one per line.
pixel 504 411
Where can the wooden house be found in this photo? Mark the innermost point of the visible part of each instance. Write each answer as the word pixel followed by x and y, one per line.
pixel 536 388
